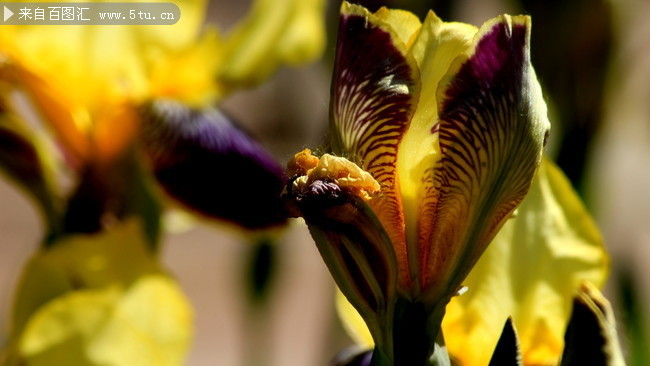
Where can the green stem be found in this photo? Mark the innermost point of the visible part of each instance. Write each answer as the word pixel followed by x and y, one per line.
pixel 416 337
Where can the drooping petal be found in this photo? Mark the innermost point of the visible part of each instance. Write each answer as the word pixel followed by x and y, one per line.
pixel 210 166
pixel 275 32
pixel 374 92
pixel 434 48
pixel 531 272
pixel 493 127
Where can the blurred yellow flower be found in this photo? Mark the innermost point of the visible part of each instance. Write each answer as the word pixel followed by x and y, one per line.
pixel 88 80
pixel 99 300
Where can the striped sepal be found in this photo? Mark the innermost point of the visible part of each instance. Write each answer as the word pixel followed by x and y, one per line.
pixel 493 126
pixel 374 92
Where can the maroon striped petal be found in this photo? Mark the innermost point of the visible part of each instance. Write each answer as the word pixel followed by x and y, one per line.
pixel 202 160
pixel 493 127
pixel 375 89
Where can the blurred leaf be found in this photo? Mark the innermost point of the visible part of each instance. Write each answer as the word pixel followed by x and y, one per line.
pixel 261 269
pixel 23 162
pixel 590 337
pixel 634 319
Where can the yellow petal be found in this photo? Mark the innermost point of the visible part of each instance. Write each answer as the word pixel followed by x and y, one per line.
pixel 352 322
pixel 531 271
pixel 99 300
pixel 434 48
pixel 89 261
pixel 375 88
pixel 75 73
pixel 404 23
pixel 193 69
pixel 275 32
pixel 148 323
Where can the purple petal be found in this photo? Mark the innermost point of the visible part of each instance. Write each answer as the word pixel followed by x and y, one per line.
pixel 211 166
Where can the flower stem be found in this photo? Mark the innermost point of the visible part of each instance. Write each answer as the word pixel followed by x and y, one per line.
pixel 416 337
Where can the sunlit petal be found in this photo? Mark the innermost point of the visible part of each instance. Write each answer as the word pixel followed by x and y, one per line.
pixel 531 272
pixel 78 75
pixel 189 75
pixel 117 256
pixel 404 24
pixel 493 127
pixel 374 92
pixel 148 323
pixel 437 44
pixel 275 32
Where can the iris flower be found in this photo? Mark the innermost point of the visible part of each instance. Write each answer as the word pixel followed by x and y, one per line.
pixel 101 89
pixel 123 104
pixel 438 130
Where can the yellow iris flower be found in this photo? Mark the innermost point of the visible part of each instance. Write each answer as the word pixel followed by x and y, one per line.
pixel 87 80
pixel 450 122
pixel 99 299
pixel 103 299
pixel 531 272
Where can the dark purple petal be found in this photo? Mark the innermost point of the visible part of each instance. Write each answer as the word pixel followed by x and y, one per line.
pixel 211 166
